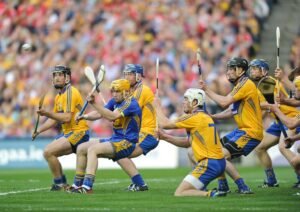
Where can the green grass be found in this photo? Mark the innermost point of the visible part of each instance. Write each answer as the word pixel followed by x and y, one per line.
pixel 109 194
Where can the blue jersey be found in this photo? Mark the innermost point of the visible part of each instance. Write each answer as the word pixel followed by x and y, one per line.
pixel 128 126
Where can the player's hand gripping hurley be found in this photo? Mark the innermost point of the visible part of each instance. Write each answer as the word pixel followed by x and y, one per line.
pixel 88 71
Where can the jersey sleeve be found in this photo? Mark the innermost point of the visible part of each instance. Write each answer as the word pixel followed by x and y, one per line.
pixel 186 121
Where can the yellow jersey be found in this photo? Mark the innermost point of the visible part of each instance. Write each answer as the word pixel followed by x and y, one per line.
pixel 70 101
pixel 203 136
pixel 246 108
pixel 144 95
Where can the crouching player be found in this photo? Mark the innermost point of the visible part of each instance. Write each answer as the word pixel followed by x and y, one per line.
pixel 126 115
pixel 203 139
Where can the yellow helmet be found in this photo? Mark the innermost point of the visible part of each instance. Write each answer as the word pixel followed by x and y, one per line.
pixel 120 85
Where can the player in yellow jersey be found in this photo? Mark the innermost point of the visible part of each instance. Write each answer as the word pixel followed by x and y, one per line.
pixel 243 105
pixel 147 142
pixel 291 123
pixel 258 69
pixel 292 82
pixel 203 139
pixel 67 104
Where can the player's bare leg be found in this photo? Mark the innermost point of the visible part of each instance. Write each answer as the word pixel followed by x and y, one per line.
pixel 289 155
pixel 104 150
pixel 129 167
pixel 234 174
pixel 81 163
pixel 265 160
pixel 52 151
pixel 187 189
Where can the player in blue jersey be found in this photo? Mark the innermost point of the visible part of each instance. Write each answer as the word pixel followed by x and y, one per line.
pixel 126 115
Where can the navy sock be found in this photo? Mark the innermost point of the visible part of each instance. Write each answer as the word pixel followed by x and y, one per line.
pixel 241 184
pixel 58 181
pixel 64 179
pixel 270 176
pixel 298 177
pixel 78 180
pixel 223 185
pixel 88 181
pixel 138 180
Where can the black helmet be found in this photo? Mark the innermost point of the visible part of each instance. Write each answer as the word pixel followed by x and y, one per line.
pixel 238 62
pixel 61 68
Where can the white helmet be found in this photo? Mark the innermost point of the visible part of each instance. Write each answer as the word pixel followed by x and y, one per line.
pixel 195 93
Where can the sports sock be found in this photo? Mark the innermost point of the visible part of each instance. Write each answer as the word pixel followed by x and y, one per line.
pixel 271 178
pixel 138 180
pixel 58 181
pixel 223 184
pixel 64 179
pixel 88 181
pixel 241 184
pixel 298 177
pixel 78 180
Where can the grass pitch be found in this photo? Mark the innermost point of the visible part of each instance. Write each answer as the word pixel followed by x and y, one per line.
pixel 28 190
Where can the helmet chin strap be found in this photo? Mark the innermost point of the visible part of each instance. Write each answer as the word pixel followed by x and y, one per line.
pixel 239 76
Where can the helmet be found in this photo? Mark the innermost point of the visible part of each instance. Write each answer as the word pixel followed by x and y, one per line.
pixel 195 93
pixel 62 69
pixel 120 85
pixel 130 68
pixel 238 62
pixel 260 63
pixel 139 69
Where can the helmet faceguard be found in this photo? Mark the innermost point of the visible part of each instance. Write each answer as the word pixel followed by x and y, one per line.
pixel 134 68
pixel 195 94
pixel 262 65
pixel 235 63
pixel 62 69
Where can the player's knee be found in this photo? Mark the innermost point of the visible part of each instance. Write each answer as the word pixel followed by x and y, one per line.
pixel 260 149
pixel 178 193
pixel 47 153
pixel 81 150
pixel 295 162
pixel 92 151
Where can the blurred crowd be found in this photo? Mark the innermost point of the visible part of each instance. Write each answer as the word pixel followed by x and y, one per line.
pixel 295 52
pixel 114 33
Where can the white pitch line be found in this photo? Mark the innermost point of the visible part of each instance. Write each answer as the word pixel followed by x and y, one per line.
pixel 100 183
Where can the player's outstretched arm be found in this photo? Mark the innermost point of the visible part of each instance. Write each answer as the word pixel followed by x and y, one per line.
pixel 60 117
pixel 177 141
pixel 291 123
pixel 226 114
pixel 44 127
pixel 223 101
pixel 92 116
pixel 163 121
